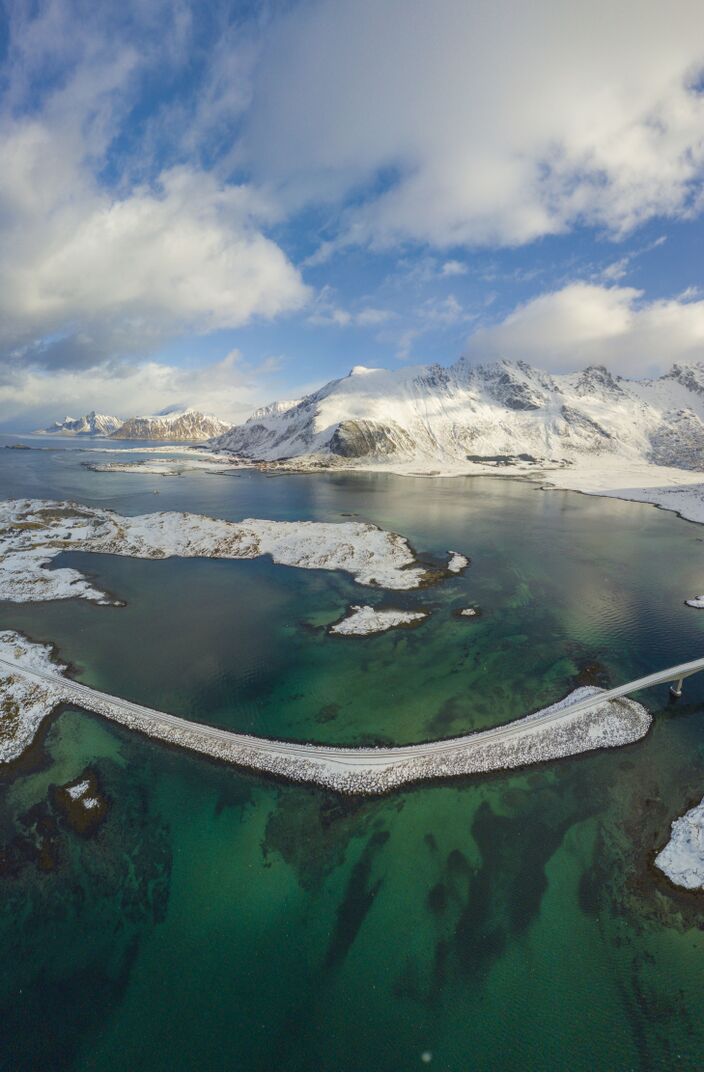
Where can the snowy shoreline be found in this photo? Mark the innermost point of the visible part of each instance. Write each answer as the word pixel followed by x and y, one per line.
pixel 34 532
pixel 669 488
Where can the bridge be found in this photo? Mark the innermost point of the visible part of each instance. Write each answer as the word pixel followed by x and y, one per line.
pixel 583 721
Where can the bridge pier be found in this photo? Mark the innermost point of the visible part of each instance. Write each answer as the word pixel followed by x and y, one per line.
pixel 676 688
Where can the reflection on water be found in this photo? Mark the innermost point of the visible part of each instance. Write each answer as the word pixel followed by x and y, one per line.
pixel 218 920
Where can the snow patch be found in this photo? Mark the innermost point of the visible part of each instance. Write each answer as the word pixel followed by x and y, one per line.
pixel 682 859
pixel 78 790
pixel 364 620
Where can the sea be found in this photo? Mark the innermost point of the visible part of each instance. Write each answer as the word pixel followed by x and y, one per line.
pixel 217 919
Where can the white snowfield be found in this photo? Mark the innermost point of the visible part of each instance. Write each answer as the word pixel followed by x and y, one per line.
pixel 587 719
pixel 33 532
pixel 682 859
pixel 363 620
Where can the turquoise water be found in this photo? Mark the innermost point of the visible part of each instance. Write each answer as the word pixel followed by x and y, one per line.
pixel 223 921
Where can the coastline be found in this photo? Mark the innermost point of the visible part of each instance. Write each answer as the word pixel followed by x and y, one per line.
pixel 679 491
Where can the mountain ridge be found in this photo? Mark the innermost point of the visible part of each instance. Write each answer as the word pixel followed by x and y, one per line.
pixel 465 412
pixel 188 426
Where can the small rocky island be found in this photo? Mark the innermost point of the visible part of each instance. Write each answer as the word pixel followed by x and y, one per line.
pixel 682 859
pixel 363 620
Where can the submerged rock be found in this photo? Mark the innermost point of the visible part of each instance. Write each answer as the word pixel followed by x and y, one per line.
pixel 81 803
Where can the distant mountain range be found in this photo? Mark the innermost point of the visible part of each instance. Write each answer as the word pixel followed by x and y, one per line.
pixel 188 426
pixel 495 413
pixel 91 424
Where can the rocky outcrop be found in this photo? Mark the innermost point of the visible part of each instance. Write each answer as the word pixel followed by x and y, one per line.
pixel 679 441
pixel 370 439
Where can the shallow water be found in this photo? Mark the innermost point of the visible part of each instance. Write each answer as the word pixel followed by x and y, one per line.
pixel 220 920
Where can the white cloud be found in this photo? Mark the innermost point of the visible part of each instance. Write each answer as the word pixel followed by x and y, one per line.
pixel 453 268
pixel 615 270
pixel 443 311
pixel 121 261
pixel 229 388
pixel 460 123
pixel 326 313
pixel 584 324
pixel 371 317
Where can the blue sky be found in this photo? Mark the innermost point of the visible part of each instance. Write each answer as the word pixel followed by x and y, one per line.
pixel 220 204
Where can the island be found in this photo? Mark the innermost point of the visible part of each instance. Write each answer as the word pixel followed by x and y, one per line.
pixel 34 532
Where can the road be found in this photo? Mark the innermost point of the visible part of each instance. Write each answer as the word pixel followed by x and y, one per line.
pixel 158 724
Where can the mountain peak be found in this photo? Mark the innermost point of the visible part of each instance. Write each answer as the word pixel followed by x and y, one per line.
pixel 91 424
pixel 363 370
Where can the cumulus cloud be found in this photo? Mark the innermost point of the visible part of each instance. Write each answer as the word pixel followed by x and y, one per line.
pixel 462 124
pixel 102 256
pixel 31 397
pixel 182 254
pixel 584 324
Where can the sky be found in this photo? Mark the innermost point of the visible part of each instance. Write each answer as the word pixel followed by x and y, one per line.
pixel 217 205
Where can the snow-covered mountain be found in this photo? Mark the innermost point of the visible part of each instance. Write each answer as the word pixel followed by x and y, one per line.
pixel 184 425
pixel 91 424
pixel 486 414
